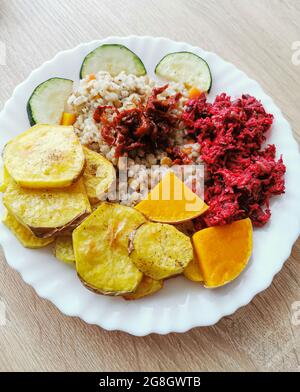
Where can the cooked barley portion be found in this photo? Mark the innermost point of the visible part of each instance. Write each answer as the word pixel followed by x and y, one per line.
pixel 126 94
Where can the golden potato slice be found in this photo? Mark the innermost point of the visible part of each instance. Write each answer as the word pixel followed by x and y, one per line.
pixel 96 205
pixel 101 249
pixel 160 250
pixel 23 234
pixel 64 249
pixel 193 272
pixel 45 156
pixel 147 287
pixel 4 177
pixel 47 212
pixel 98 176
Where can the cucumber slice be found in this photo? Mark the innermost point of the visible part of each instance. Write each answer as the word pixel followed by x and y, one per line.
pixel 47 102
pixel 187 68
pixel 114 59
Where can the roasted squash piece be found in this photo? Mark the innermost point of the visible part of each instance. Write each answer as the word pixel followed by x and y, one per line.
pixel 223 251
pixel 160 250
pixel 47 212
pixel 23 234
pixel 101 249
pixel 45 156
pixel 98 176
pixel 147 287
pixel 171 201
pixel 193 272
pixel 64 249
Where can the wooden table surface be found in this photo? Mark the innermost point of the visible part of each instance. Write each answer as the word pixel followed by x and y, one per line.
pixel 255 35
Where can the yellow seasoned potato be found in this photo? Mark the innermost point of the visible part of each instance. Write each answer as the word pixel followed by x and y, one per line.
pixel 193 272
pixel 147 287
pixel 4 176
pixel 23 234
pixel 160 250
pixel 101 249
pixel 98 176
pixel 64 249
pixel 45 156
pixel 95 206
pixel 47 212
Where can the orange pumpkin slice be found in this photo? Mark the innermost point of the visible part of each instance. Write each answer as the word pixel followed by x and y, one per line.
pixel 171 201
pixel 223 251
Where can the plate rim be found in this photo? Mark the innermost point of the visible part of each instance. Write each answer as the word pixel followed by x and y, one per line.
pixel 145 330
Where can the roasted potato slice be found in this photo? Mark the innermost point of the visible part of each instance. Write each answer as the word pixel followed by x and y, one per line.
pixel 23 234
pixel 4 176
pixel 47 212
pixel 64 249
pixel 147 287
pixel 45 156
pixel 193 272
pixel 98 176
pixel 101 249
pixel 160 250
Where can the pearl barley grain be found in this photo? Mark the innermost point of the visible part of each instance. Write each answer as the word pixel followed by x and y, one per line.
pixel 126 92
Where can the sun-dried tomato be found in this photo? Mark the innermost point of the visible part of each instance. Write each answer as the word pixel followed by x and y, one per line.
pixel 145 126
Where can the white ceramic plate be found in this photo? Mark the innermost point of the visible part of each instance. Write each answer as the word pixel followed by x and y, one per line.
pixel 181 305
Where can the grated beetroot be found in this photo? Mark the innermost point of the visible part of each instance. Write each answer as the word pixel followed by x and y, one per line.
pixel 242 177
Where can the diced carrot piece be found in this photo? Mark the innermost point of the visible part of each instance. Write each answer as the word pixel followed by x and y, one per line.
pixel 92 77
pixel 194 92
pixel 68 118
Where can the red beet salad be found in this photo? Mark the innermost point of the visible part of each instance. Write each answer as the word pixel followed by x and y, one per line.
pixel 242 174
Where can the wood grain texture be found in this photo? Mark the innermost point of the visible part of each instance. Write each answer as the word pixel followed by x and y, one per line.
pixel 256 36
